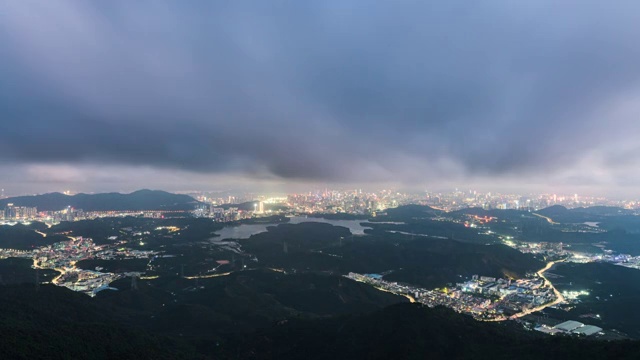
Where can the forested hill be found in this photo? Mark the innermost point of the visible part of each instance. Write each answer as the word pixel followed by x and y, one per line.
pixel 135 201
pixel 55 323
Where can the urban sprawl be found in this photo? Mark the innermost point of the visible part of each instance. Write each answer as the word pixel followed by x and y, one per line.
pixel 485 298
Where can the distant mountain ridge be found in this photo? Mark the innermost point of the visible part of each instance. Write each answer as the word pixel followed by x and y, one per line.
pixel 135 201
pixel 583 214
pixel 592 210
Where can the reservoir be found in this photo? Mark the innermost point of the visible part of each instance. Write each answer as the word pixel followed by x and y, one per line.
pixel 246 230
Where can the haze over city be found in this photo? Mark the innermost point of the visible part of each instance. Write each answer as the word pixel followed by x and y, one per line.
pixel 500 96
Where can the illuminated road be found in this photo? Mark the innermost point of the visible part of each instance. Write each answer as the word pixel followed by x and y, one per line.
pixel 227 273
pixel 149 277
pixel 208 276
pixel 54 280
pixel 62 271
pixel 550 220
pixel 559 298
pixel 411 299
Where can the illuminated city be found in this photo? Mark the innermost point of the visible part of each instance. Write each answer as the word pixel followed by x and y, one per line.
pixel 335 179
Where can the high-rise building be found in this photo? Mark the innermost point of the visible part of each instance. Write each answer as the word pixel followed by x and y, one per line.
pixel 9 212
pixel 25 213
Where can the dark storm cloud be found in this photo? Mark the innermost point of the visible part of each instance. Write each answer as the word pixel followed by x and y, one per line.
pixel 318 90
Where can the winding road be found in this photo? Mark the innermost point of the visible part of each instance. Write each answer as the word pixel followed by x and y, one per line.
pixel 559 298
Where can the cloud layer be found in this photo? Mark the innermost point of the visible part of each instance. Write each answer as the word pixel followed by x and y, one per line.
pixel 346 91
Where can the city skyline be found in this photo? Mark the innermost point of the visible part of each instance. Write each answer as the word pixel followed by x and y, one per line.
pixel 118 96
pixel 319 201
pixel 252 193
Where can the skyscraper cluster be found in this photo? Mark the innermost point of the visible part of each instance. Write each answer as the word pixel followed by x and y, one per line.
pixel 12 212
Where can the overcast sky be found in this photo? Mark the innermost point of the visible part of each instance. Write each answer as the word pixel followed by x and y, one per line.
pixel 120 95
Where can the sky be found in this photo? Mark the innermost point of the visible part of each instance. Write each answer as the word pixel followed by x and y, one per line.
pixel 498 95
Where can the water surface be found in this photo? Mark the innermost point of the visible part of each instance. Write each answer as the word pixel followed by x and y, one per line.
pixel 246 230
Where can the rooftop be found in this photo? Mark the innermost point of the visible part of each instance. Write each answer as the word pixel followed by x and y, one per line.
pixel 588 330
pixel 568 325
